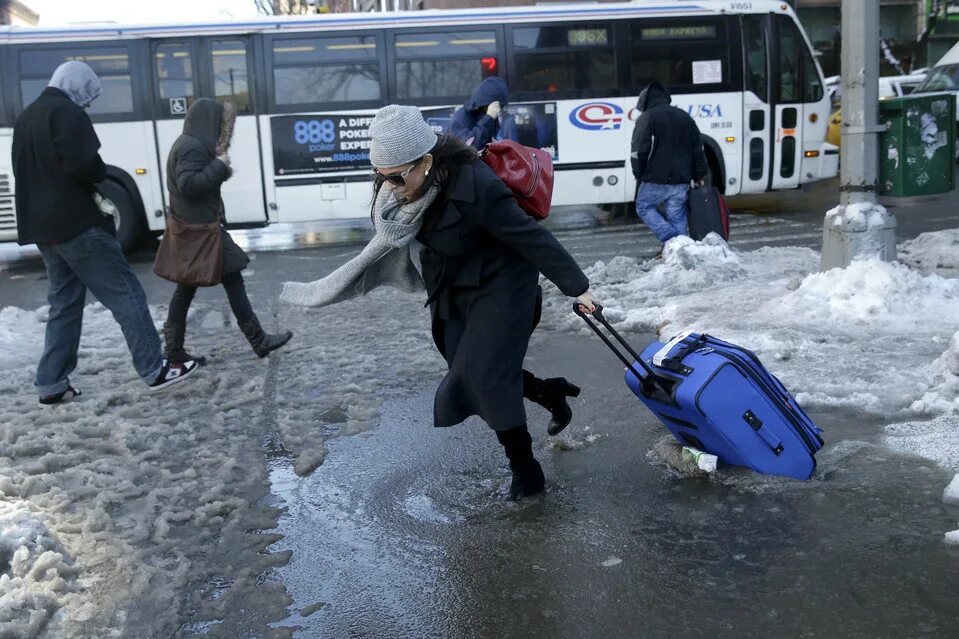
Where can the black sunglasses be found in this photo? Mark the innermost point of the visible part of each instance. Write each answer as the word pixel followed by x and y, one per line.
pixel 396 179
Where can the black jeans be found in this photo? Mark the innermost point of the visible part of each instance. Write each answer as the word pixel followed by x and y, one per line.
pixel 235 292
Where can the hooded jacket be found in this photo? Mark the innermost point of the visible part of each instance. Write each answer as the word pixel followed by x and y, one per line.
pixel 667 147
pixel 56 160
pixel 470 122
pixel 195 175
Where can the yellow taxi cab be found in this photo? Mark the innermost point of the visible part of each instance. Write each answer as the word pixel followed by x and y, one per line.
pixel 832 130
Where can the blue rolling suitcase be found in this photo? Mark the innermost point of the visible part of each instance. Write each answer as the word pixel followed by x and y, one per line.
pixel 718 397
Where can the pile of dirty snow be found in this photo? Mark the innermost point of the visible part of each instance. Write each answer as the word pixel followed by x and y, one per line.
pixel 943 393
pixel 829 336
pixel 936 439
pixel 35 571
pixel 861 216
pixel 935 252
pixel 144 498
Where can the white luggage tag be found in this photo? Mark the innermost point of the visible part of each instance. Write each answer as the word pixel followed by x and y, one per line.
pixel 663 353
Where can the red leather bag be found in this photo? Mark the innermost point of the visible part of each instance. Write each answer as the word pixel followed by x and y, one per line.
pixel 528 172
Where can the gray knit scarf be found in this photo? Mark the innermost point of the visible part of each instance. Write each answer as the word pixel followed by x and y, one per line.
pixel 385 260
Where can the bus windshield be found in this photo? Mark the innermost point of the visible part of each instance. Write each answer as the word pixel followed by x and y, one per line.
pixel 944 78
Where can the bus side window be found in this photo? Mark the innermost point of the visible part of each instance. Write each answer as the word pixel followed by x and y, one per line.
pixel 571 60
pixel 230 80
pixel 315 70
pixel 754 37
pixel 685 55
pixel 443 65
pixel 175 78
pixel 790 85
pixel 813 89
pixel 799 76
pixel 111 64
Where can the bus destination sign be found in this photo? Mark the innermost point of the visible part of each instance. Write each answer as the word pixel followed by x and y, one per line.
pixel 687 32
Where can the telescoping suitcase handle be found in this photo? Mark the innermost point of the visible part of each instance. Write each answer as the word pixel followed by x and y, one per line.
pixel 648 380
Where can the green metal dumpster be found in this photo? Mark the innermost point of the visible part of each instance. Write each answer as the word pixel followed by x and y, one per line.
pixel 917 151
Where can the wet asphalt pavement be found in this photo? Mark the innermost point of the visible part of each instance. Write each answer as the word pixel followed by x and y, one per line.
pixel 404 530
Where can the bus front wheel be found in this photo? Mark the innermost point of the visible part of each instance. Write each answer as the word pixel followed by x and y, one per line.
pixel 130 224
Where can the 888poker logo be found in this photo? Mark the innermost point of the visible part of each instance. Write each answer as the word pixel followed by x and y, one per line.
pixel 597 116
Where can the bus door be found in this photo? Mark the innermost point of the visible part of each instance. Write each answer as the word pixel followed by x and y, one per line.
pixel 786 77
pixel 174 90
pixel 757 126
pixel 224 76
pixel 184 70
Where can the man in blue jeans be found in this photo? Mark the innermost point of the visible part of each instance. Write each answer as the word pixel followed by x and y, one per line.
pixel 667 154
pixel 56 163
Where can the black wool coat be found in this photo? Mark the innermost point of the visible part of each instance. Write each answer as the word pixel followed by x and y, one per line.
pixel 194 177
pixel 56 163
pixel 481 258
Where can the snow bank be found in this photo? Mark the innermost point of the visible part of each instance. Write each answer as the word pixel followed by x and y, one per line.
pixel 943 393
pixel 142 498
pixel 35 570
pixel 936 439
pixel 950 493
pixel 829 336
pixel 860 216
pixel 936 252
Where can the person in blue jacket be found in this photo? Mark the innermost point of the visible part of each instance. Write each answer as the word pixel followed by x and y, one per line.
pixel 477 121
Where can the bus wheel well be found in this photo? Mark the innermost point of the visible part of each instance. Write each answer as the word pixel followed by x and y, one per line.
pixel 132 221
pixel 126 181
pixel 714 161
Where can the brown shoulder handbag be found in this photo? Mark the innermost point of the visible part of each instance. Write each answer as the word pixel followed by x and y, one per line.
pixel 190 254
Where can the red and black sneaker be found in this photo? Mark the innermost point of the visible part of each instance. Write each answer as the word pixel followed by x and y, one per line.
pixel 59 398
pixel 172 373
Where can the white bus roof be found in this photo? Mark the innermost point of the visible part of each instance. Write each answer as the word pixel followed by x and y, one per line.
pixel 433 17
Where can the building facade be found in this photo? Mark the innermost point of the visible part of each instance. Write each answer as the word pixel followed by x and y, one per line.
pixel 900 25
pixel 17 13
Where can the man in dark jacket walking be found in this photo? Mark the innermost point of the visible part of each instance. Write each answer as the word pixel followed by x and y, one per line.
pixel 667 154
pixel 56 165
pixel 477 121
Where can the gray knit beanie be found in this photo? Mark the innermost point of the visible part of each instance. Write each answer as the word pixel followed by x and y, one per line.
pixel 399 135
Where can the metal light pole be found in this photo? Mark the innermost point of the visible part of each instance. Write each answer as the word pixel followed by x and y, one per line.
pixel 859 226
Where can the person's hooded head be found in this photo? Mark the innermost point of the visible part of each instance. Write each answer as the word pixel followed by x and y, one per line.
pixel 652 96
pixel 78 81
pixel 211 123
pixel 490 90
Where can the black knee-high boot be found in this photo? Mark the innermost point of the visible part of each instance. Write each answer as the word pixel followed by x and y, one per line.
pixel 528 476
pixel 551 394
pixel 174 334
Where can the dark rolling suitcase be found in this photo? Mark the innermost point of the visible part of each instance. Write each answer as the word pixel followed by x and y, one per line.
pixel 718 397
pixel 707 213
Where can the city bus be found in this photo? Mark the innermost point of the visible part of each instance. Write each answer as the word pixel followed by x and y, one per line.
pixel 306 88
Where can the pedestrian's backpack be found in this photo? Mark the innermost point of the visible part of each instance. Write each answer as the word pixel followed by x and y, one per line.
pixel 528 172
